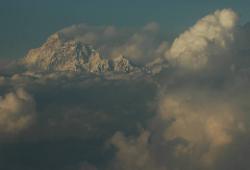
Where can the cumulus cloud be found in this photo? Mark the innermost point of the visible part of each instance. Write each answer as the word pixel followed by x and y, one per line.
pixel 133 153
pixel 17 110
pixel 206 121
pixel 205 42
pixel 192 129
pixel 143 46
pixel 139 45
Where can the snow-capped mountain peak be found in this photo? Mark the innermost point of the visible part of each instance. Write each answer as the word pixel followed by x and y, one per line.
pixel 58 54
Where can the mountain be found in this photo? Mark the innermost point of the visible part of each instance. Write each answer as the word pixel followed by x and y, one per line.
pixel 59 54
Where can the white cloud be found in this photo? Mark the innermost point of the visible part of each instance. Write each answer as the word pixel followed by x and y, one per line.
pixel 139 45
pixel 205 42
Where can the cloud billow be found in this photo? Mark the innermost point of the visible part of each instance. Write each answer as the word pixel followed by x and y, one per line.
pixel 204 44
pixel 17 111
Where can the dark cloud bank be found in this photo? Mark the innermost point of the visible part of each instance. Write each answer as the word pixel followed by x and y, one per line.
pixel 185 108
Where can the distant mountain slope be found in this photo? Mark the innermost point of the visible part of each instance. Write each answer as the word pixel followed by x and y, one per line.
pixel 58 54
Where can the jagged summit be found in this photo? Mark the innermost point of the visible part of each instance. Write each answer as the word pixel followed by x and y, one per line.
pixel 121 64
pixel 59 54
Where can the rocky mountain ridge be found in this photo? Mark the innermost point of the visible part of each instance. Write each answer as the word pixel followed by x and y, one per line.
pixel 57 54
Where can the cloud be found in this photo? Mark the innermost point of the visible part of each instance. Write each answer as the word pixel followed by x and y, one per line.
pixel 206 121
pixel 2 80
pixel 72 111
pixel 139 45
pixel 86 166
pixel 143 46
pixel 133 152
pixel 17 111
pixel 203 44
pixel 194 127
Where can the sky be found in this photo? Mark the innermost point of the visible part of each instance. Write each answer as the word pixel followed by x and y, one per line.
pixel 141 86
pixel 26 24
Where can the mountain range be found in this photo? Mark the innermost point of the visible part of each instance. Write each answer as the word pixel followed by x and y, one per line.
pixel 58 54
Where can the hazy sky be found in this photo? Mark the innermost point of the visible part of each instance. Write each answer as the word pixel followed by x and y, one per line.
pixel 26 24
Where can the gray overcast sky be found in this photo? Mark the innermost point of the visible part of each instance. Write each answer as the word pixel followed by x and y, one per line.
pixel 26 24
